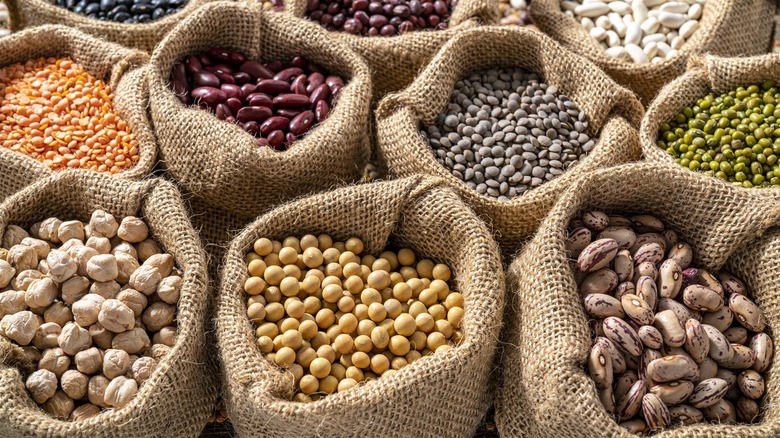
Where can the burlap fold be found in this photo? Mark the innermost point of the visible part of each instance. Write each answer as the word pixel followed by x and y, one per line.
pixel 728 28
pixel 116 65
pixel 219 161
pixel 396 60
pixel 545 390
pixel 614 115
pixel 177 400
pixel 445 394
pixel 24 14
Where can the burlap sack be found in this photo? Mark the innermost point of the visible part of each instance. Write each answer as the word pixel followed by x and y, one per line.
pixel 176 401
pixel 116 65
pixel 614 115
pixel 728 28
pixel 24 14
pixel 545 391
pixel 437 396
pixel 222 163
pixel 396 60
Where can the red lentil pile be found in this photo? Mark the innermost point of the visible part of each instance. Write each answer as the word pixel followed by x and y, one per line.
pixel 54 111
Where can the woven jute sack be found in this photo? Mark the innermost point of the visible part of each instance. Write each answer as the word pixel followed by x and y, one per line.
pixel 613 112
pixel 445 394
pixel 545 390
pixel 24 14
pixel 396 60
pixel 119 67
pixel 219 161
pixel 728 28
pixel 177 399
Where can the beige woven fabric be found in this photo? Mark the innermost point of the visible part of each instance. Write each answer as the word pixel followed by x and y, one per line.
pixel 443 395
pixel 222 163
pixel 24 14
pixel 177 400
pixel 396 60
pixel 614 115
pixel 545 391
pixel 728 28
pixel 116 65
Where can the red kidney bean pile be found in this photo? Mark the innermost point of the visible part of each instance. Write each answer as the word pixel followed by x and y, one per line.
pixel 381 17
pixel 276 102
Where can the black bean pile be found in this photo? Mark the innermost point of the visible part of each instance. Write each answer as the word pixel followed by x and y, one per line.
pixel 123 11
pixel 506 132
pixel 383 17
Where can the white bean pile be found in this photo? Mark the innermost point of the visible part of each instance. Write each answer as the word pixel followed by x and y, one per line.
pixel 638 31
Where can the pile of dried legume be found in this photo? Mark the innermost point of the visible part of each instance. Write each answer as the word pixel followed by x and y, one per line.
pixel 335 319
pixel 276 102
pixel 381 17
pixel 54 111
pixel 123 11
pixel 734 136
pixel 673 344
pixel 505 132
pixel 514 12
pixel 92 306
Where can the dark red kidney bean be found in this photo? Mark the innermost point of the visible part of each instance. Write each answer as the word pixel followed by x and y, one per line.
pixel 321 111
pixel 440 7
pixel 178 88
pixel 433 20
pixel 333 8
pixel 314 68
pixel 209 95
pixel 276 139
pixel 298 85
pixel 406 26
pixel 395 21
pixel 223 112
pixel 262 142
pixel 326 19
pixel 373 31
pixel 289 113
pixel 226 78
pixel 375 8
pixel 252 127
pixel 204 78
pixel 320 93
pixel 274 123
pixel 234 105
pixel 427 8
pixel 402 11
pixel 256 70
pixel 260 99
pixel 232 91
pixel 223 68
pixel 204 60
pixel 360 5
pixel 387 8
pixel 290 138
pixel 302 122
pixel 312 5
pixel 242 78
pixel 275 66
pixel 247 89
pixel 231 119
pixel 292 101
pixel 300 62
pixel 387 30
pixel 415 7
pixel 179 74
pixel 339 20
pixel 353 26
pixel 226 55
pixel 272 86
pixel 253 113
pixel 193 65
pixel 184 98
pixel 334 91
pixel 333 80
pixel 362 17
pixel 315 80
pixel 288 74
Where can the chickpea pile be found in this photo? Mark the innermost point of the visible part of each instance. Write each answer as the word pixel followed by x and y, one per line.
pixel 92 306
pixel 56 112
pixel 335 319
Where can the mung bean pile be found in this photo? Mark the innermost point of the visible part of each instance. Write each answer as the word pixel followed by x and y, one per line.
pixel 734 136
pixel 56 112
pixel 380 17
pixel 674 344
pixel 123 11
pixel 505 132
pixel 335 319
pixel 93 306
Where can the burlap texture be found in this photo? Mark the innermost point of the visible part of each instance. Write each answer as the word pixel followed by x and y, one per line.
pixel 24 14
pixel 116 65
pixel 728 28
pixel 614 115
pixel 222 163
pixel 445 394
pixel 177 400
pixel 545 391
pixel 396 60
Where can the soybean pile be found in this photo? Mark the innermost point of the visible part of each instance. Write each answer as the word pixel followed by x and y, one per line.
pixel 734 136
pixel 673 344
pixel 123 11
pixel 505 132
pixel 380 17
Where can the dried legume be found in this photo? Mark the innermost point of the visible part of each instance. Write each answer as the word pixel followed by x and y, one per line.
pixel 276 102
pixel 671 341
pixel 734 136
pixel 381 17
pixel 505 132
pixel 335 319
pixel 54 111
pixel 123 11
pixel 638 31
pixel 93 312
pixel 514 12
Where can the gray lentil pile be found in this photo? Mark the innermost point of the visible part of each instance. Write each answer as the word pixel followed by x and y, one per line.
pixel 505 132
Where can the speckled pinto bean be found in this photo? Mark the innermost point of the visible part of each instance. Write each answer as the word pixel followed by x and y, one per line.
pixel 56 112
pixel 381 17
pixel 276 102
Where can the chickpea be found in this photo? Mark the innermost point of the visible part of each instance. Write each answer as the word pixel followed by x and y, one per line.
pixel 107 290
pixel 86 310
pixel 125 248
pixel 89 361
pixel 83 412
pixel 101 337
pixel 147 249
pixel 102 224
pixel 166 336
pixel 126 265
pixel 54 360
pixel 143 368
pixel 20 327
pixel 120 391
pixel 133 230
pixel 145 279
pixel 158 315
pixel 42 385
pixel 132 341
pixel 74 289
pixel 14 235
pixel 61 265
pixel 74 384
pixel 100 244
pixel 46 336
pixel 115 363
pixel 117 317
pixel 7 273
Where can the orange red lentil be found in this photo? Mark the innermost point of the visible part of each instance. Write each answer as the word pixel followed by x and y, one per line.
pixel 56 112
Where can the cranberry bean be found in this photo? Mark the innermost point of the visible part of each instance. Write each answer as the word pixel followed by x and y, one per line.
pixel 260 99
pixel 226 56
pixel 273 86
pixel 321 111
pixel 232 91
pixel 242 78
pixel 193 65
pixel 256 70
pixel 301 123
pixel 234 105
pixel 204 78
pixel 276 139
pixel 274 123
pixel 292 101
pixel 209 95
pixel 289 113
pixel 253 113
